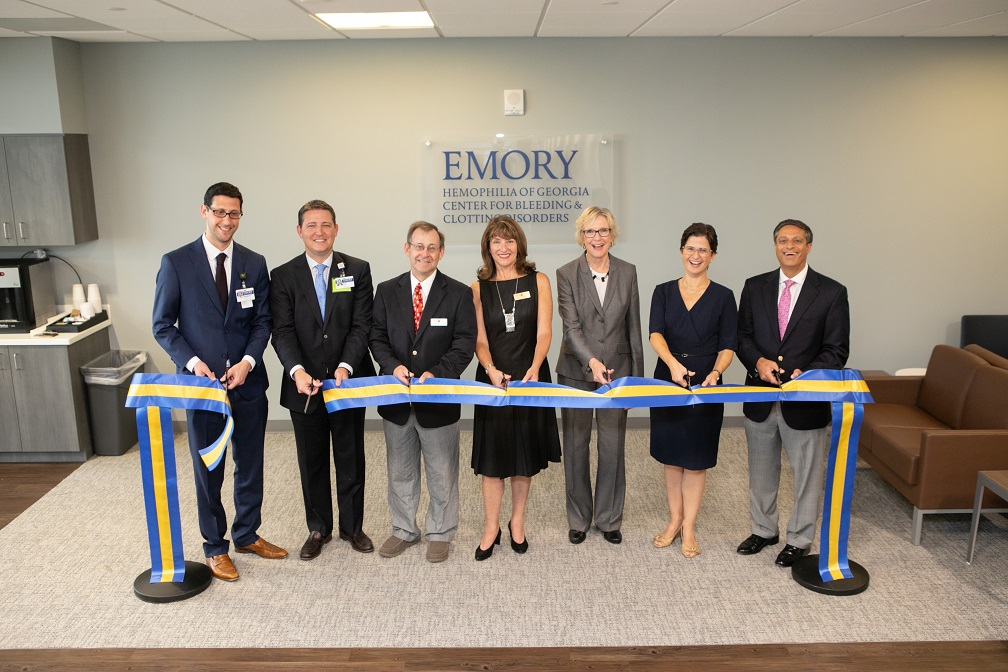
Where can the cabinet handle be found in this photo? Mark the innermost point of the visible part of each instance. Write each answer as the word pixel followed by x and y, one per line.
pixel 6 233
pixel 17 361
pixel 3 362
pixel 21 231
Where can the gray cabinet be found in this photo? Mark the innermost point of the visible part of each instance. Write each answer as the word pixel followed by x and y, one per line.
pixel 10 437
pixel 48 196
pixel 44 386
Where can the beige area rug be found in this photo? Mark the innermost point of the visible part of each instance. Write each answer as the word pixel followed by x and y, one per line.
pixel 69 563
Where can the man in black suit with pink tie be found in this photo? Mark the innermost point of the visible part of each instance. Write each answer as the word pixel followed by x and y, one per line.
pixel 790 320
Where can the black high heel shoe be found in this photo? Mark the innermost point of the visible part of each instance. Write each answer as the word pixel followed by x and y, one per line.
pixel 484 554
pixel 516 547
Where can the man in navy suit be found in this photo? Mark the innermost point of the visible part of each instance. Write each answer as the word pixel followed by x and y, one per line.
pixel 321 302
pixel 790 320
pixel 211 315
pixel 424 326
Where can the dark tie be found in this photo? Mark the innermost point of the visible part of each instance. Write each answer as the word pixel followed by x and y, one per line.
pixel 222 283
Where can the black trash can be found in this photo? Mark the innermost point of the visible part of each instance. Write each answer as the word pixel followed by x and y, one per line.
pixel 113 426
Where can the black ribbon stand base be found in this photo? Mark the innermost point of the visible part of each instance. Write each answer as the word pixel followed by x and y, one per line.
pixel 806 572
pixel 197 579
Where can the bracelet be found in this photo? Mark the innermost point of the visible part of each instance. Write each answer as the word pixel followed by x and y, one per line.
pixel 719 373
pixel 487 368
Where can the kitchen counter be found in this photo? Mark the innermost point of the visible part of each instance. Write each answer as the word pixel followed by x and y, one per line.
pixel 62 338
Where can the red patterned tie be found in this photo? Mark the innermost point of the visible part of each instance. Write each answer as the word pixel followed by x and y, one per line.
pixel 784 307
pixel 417 306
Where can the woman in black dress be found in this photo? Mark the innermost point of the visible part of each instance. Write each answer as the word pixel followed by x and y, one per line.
pixel 514 317
pixel 693 331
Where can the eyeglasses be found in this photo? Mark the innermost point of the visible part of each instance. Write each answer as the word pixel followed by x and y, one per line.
pixel 221 214
pixel 690 251
pixel 590 233
pixel 420 247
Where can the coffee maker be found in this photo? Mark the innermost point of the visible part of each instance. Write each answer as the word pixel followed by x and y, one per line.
pixel 26 294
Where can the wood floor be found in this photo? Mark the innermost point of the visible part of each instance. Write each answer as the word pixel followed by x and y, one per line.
pixel 22 484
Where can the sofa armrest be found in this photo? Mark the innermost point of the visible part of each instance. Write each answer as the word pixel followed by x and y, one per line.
pixel 949 462
pixel 895 389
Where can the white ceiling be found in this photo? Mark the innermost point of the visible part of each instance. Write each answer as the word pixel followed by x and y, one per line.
pixel 214 20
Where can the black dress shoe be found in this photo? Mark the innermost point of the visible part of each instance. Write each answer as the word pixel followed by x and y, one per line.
pixel 613 536
pixel 575 536
pixel 787 557
pixel 755 543
pixel 515 546
pixel 313 546
pixel 484 554
pixel 360 541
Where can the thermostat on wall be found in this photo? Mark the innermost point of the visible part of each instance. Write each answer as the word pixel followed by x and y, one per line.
pixel 514 102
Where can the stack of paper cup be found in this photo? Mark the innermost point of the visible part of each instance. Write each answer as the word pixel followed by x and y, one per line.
pixel 78 297
pixel 94 298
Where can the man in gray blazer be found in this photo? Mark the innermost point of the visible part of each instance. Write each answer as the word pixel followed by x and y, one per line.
pixel 600 308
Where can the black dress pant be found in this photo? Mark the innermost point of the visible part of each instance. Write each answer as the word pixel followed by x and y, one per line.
pixel 314 432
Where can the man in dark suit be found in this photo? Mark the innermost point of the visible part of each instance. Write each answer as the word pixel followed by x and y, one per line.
pixel 424 326
pixel 790 320
pixel 321 303
pixel 211 315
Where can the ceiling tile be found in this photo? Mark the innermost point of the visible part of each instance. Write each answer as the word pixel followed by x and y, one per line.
pixel 922 16
pixel 487 24
pixel 594 24
pixel 995 25
pixel 15 9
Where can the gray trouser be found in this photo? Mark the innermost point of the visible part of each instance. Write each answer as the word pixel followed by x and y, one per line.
pixel 806 452
pixel 610 478
pixel 439 447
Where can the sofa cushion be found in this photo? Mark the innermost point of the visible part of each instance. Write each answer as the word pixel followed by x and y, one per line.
pixel 893 415
pixel 948 377
pixel 899 449
pixel 984 353
pixel 987 400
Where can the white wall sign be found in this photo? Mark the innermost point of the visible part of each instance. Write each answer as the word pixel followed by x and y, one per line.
pixel 543 182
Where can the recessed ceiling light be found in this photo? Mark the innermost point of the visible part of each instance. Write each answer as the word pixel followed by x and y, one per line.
pixel 372 20
pixel 117 9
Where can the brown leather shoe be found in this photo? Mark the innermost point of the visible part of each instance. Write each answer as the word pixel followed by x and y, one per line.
pixel 360 541
pixel 313 545
pixel 222 567
pixel 263 549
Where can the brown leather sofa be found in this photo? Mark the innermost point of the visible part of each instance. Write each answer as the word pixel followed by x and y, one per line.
pixel 929 435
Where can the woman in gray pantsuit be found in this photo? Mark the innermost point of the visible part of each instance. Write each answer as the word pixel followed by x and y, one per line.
pixel 600 308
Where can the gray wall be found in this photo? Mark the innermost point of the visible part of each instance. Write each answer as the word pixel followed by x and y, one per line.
pixel 893 150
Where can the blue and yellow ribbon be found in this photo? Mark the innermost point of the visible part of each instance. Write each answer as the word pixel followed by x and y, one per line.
pixel 845 389
pixel 153 395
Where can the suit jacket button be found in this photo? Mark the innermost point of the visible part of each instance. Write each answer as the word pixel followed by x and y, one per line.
pixel 325 335
pixel 780 359
pixel 414 352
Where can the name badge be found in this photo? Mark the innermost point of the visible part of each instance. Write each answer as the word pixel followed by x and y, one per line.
pixel 343 283
pixel 245 296
pixel 439 322
pixel 522 295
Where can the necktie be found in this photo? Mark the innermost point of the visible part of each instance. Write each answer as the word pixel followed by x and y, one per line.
pixel 417 306
pixel 784 307
pixel 320 287
pixel 222 283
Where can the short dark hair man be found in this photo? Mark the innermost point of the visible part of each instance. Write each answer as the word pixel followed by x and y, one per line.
pixel 424 326
pixel 322 303
pixel 790 319
pixel 212 316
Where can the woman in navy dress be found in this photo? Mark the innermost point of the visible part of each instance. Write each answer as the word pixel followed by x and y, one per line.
pixel 514 317
pixel 693 331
